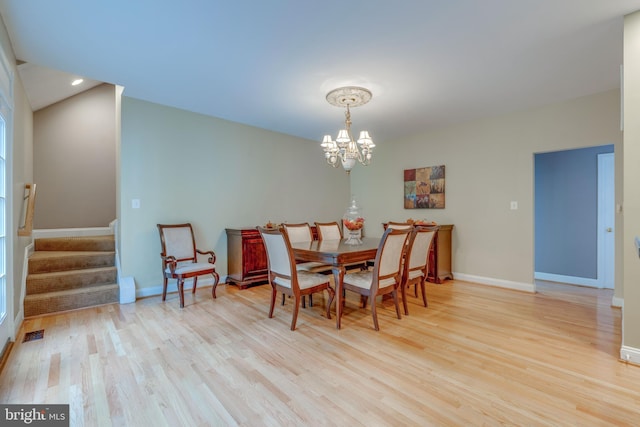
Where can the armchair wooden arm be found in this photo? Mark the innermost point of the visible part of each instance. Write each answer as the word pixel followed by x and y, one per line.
pixel 169 261
pixel 212 255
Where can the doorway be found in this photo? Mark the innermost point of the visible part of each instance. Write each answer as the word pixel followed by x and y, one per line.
pixel 574 240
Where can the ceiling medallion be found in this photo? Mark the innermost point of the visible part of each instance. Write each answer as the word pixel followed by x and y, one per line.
pixel 349 96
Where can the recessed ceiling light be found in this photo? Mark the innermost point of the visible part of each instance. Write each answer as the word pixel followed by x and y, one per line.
pixel 76 82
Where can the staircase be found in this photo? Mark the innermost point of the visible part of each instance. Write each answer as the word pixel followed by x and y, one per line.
pixel 67 273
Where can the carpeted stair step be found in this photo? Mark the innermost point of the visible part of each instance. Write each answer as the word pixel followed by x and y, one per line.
pixel 51 261
pixel 81 243
pixel 68 273
pixel 38 283
pixel 71 299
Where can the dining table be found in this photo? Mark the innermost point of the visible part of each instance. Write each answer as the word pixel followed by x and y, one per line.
pixel 338 254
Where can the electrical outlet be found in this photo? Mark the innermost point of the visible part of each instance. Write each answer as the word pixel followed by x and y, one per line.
pixel 514 206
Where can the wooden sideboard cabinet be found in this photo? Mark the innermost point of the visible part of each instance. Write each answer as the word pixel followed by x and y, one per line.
pixel 246 257
pixel 440 257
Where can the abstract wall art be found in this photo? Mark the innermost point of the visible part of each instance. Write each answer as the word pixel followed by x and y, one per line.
pixel 424 188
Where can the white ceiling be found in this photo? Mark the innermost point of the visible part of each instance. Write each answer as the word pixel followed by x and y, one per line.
pixel 429 63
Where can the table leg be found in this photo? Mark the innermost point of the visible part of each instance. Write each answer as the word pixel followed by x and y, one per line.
pixel 338 275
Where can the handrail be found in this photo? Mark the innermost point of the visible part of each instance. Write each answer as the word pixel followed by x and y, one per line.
pixel 26 212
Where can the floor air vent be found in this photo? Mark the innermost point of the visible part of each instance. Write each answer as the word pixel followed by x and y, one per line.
pixel 33 335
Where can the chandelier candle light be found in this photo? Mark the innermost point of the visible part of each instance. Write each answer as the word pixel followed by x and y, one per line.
pixel 344 147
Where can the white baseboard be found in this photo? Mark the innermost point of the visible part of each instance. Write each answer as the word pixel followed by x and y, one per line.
pixel 571 280
pixel 150 291
pixel 617 302
pixel 508 284
pixel 630 354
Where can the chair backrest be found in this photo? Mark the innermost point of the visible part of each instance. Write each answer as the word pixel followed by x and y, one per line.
pixel 177 240
pixel 279 254
pixel 399 225
pixel 388 262
pixel 420 243
pixel 328 231
pixel 299 233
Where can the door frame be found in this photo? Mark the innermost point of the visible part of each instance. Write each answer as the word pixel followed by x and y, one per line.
pixel 598 280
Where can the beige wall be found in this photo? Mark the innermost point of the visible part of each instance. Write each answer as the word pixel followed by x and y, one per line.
pixel 74 161
pixel 631 318
pixel 489 163
pixel 236 169
pixel 185 167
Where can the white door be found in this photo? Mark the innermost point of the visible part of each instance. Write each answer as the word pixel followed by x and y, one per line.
pixel 606 220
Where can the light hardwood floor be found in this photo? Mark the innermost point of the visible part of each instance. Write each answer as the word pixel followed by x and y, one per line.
pixel 477 356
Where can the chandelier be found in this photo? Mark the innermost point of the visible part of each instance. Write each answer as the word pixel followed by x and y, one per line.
pixel 344 147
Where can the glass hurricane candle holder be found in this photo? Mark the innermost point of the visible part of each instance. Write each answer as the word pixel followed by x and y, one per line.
pixel 353 222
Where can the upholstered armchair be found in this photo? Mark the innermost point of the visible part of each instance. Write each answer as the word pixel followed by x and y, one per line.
pixel 180 259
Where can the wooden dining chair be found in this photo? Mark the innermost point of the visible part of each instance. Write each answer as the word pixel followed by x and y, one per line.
pixel 301 233
pixel 286 278
pixel 332 231
pixel 416 263
pixel 399 225
pixel 396 226
pixel 386 276
pixel 180 259
pixel 328 230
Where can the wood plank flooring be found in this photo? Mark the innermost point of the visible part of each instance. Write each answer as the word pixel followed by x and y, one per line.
pixel 476 356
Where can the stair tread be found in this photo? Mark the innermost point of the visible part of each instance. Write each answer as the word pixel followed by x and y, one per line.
pixel 101 237
pixel 75 243
pixel 85 289
pixel 88 270
pixel 53 254
pixel 60 301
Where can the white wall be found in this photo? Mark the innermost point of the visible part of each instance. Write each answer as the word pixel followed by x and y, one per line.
pixel 216 174
pixel 489 163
